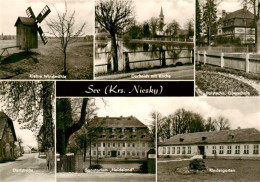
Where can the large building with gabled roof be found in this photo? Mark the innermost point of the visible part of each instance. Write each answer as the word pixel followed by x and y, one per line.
pixel 7 138
pixel 239 143
pixel 121 138
pixel 238 24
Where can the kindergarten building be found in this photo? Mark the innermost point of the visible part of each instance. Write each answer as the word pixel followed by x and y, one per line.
pixel 239 143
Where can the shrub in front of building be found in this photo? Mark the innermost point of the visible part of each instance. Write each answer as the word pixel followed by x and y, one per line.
pixel 197 164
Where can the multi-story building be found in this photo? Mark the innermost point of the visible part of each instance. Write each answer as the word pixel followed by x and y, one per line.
pixel 7 138
pixel 238 24
pixel 239 143
pixel 121 138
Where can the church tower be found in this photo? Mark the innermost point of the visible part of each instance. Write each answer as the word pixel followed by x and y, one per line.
pixel 161 20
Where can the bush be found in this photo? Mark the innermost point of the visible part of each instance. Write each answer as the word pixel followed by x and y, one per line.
pixel 167 156
pixel 95 166
pixel 144 167
pixel 197 164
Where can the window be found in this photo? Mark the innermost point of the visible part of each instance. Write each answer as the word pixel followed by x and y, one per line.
pixel 104 152
pixel 173 150
pixel 183 150
pixel 237 151
pixel 114 144
pixel 118 144
pixel 164 150
pixel 128 144
pixel 94 145
pixel 168 150
pixel 99 144
pixel 221 149
pixel 94 152
pixel 118 153
pixel 189 150
pixel 108 152
pixel 108 144
pixel 246 149
pixel 143 144
pixel 123 153
pixel 214 150
pixel 124 144
pixel 229 151
pixel 133 130
pixel 133 145
pixel 104 144
pixel 133 153
pixel 128 152
pixel 178 150
pixel 256 149
pixel 143 154
pixel 99 153
pixel 137 153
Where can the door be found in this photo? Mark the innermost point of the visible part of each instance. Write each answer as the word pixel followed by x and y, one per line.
pixel 113 153
pixel 202 151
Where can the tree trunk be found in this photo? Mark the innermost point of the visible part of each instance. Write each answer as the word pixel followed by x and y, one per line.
pixel 114 51
pixel 97 153
pixel 85 151
pixel 90 151
pixel 65 62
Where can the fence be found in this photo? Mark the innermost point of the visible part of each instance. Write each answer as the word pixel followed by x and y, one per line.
pixel 247 62
pixel 161 57
pixel 70 163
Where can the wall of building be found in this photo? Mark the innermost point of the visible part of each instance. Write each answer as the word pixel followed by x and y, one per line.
pixel 168 150
pixel 26 36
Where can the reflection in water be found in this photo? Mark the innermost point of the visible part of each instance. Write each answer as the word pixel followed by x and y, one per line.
pixel 173 54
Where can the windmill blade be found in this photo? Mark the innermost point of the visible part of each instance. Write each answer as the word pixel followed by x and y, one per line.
pixel 46 10
pixel 30 13
pixel 43 37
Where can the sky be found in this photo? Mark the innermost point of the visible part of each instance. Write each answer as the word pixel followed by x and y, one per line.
pixel 241 112
pixel 179 10
pixel 139 107
pixel 11 9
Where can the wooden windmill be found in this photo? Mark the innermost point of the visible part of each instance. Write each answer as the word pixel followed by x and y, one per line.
pixel 27 28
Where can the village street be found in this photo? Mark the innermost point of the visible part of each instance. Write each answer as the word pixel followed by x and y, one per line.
pixel 105 176
pixel 26 168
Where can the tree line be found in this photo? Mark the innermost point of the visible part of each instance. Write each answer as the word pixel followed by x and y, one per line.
pixel 184 121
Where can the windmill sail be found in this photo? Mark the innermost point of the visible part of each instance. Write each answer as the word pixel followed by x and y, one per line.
pixel 43 37
pixel 46 10
pixel 30 13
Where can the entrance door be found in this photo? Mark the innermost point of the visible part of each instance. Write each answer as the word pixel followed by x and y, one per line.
pixel 113 153
pixel 202 151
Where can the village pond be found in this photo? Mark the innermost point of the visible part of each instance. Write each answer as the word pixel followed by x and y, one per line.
pixel 141 55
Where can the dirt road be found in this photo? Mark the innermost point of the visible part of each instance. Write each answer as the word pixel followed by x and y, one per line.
pixel 26 168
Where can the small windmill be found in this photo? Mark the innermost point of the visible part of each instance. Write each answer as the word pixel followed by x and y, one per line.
pixel 27 28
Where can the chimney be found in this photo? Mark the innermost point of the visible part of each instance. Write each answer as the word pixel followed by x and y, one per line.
pixel 223 13
pixel 245 8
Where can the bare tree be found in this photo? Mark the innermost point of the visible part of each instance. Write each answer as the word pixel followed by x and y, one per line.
pixel 64 29
pixel 173 28
pixel 154 25
pixel 222 123
pixel 114 16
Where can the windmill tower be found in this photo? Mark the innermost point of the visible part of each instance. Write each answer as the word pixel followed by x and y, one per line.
pixel 161 21
pixel 27 28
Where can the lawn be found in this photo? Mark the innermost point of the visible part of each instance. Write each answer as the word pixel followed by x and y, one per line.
pixel 48 60
pixel 245 170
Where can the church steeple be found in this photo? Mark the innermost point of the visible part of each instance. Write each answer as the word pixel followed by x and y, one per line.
pixel 161 14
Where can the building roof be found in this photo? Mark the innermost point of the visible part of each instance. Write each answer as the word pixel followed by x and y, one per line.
pixel 120 122
pixel 241 13
pixel 4 119
pixel 215 137
pixel 161 13
pixel 25 21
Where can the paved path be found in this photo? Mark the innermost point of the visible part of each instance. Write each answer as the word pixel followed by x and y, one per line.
pixel 171 73
pixel 105 177
pixel 25 169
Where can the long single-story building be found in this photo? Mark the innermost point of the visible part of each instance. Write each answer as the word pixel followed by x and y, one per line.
pixel 239 143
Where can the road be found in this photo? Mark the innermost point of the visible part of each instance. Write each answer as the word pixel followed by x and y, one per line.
pixel 185 72
pixel 107 177
pixel 25 169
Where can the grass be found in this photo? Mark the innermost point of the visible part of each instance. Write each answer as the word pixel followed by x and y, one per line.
pixel 215 83
pixel 48 60
pixel 246 170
